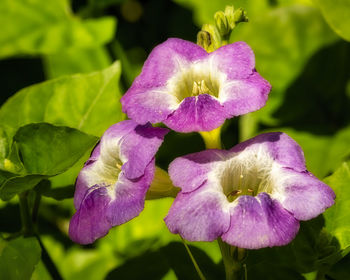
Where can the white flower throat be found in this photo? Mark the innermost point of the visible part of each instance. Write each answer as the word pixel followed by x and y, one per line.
pixel 246 174
pixel 196 79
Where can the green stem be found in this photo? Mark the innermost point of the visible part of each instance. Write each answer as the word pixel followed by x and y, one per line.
pixel 248 126
pixel 27 224
pixel 200 274
pixel 212 138
pixel 232 258
pixel 36 208
pixel 28 229
pixel 49 264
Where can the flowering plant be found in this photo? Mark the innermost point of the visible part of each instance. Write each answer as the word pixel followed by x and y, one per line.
pixel 227 158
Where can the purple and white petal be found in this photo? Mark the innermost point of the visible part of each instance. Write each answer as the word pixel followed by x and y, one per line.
pixel 90 222
pixel 191 90
pixel 104 207
pixel 198 216
pixel 236 60
pixel 148 99
pixel 277 146
pixel 111 187
pixel 197 113
pixel 303 195
pixel 191 171
pixel 258 222
pixel 263 183
pixel 243 96
pixel 139 147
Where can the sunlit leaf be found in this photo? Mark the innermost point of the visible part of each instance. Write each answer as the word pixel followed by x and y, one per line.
pixel 79 60
pixel 41 27
pixel 88 102
pixel 45 150
pixel 18 258
pixel 40 272
pixel 337 14
pixel 338 216
pixel 19 183
pixel 49 150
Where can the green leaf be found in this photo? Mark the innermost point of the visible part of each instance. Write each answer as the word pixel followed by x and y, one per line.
pixel 283 40
pixel 45 150
pixel 338 216
pixel 49 150
pixel 337 14
pixel 76 61
pixel 18 258
pixel 340 270
pixel 88 102
pixel 19 183
pixel 36 27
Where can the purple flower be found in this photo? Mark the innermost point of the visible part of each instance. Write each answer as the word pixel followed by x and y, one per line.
pixel 111 187
pixel 189 90
pixel 251 196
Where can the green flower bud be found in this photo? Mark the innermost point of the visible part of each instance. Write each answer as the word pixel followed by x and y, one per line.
pixel 229 14
pixel 240 15
pixel 203 39
pixel 221 23
pixel 161 186
pixel 215 38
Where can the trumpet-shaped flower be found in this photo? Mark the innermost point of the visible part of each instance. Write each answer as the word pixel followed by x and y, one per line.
pixel 189 89
pixel 111 187
pixel 251 196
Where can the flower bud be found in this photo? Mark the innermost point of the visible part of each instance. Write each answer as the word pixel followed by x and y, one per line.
pixel 229 14
pixel 203 39
pixel 221 23
pixel 161 186
pixel 215 38
pixel 240 15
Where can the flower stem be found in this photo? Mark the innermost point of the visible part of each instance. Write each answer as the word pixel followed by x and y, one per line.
pixel 232 258
pixel 212 138
pixel 49 264
pixel 36 208
pixel 27 224
pixel 200 274
pixel 29 229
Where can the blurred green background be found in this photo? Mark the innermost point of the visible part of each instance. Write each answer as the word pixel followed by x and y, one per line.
pixel 301 48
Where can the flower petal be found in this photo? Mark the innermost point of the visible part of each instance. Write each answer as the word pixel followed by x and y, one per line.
pixel 279 146
pixel 139 147
pixel 191 171
pixel 104 207
pixel 146 99
pixel 149 105
pixel 134 144
pixel 130 196
pixel 89 223
pixel 304 195
pixel 243 96
pixel 165 60
pixel 258 222
pixel 199 215
pixel 197 113
pixel 236 60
